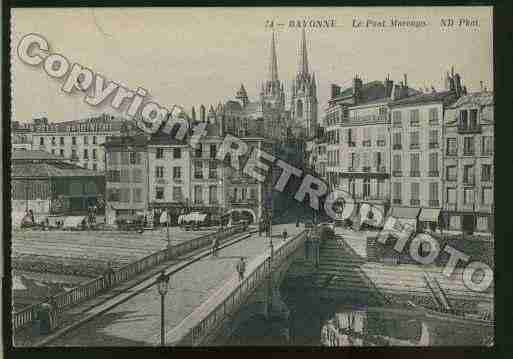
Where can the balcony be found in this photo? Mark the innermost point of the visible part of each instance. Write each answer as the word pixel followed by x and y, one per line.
pixel 414 202
pixel 468 152
pixel 451 153
pixel 433 144
pixel 177 179
pixel 397 146
pixel 351 144
pixel 198 176
pixel 468 181
pixel 414 146
pixel 366 143
pixel 397 173
pixel 469 129
pixel 350 169
pixel 414 173
pixel 433 174
pixel 381 143
pixel 381 169
pixel 74 158
pixel 434 203
pixel 433 122
pixel 397 201
pixel 366 169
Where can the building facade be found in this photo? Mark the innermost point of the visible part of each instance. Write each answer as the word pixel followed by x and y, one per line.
pixel 126 175
pixel 49 186
pixel 468 152
pixel 80 142
pixel 357 137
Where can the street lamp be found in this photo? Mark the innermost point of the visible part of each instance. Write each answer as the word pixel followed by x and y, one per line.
pixel 168 219
pixel 162 286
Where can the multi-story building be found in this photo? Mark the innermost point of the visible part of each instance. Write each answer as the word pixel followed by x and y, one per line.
pixel 21 136
pixel 357 127
pixel 417 151
pixel 126 173
pixel 468 163
pixel 78 141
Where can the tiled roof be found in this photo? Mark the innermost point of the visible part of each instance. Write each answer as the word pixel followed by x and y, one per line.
pixel 46 170
pixel 478 98
pixel 28 155
pixel 445 96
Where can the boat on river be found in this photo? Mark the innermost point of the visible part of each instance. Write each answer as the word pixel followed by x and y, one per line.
pixel 457 318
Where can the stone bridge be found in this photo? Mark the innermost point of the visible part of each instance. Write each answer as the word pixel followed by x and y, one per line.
pixel 257 294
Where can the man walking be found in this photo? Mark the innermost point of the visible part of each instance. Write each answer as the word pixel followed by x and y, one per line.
pixel 215 246
pixel 241 268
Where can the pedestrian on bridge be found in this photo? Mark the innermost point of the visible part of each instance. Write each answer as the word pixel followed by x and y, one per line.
pixel 285 234
pixel 215 246
pixel 109 275
pixel 241 268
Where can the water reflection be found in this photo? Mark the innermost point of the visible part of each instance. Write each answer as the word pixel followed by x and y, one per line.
pixel 398 327
pixel 315 322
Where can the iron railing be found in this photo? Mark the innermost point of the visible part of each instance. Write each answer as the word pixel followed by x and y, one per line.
pixel 212 321
pixel 91 288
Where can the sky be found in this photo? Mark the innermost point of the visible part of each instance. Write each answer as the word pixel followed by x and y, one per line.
pixel 193 56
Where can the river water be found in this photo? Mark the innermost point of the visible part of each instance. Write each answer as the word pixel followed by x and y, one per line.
pixel 314 322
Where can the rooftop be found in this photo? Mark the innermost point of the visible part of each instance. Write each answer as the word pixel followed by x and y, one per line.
pixel 443 96
pixel 477 98
pixel 47 170
pixel 33 155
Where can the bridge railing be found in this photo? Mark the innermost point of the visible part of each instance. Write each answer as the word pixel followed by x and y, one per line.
pixel 91 288
pixel 200 328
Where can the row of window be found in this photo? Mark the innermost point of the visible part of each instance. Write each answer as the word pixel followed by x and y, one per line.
pixel 177 172
pixel 414 117
pixel 350 136
pixel 177 153
pixel 242 194
pixel 469 173
pixel 73 141
pixel 469 146
pixel 124 158
pixel 125 195
pixel 415 164
pixel 378 159
pixel 83 127
pixel 469 195
pixel 414 140
pixel 415 193
pixel 124 175
pixel 198 169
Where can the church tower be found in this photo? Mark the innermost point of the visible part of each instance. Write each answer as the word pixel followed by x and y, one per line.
pixel 303 102
pixel 272 90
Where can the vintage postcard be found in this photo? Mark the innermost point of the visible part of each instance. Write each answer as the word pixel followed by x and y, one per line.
pixel 252 176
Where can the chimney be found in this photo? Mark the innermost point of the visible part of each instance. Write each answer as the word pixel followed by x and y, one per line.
pixel 389 86
pixel 357 88
pixel 464 90
pixel 457 80
pixel 405 80
pixel 202 113
pixel 395 92
pixel 335 90
pixel 481 85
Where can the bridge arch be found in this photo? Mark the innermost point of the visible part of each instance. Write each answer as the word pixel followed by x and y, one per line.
pixel 241 211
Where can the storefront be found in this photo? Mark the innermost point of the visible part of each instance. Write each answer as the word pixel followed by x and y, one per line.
pixel 406 215
pixel 429 219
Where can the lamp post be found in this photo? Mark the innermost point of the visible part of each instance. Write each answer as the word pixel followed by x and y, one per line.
pixel 162 286
pixel 168 219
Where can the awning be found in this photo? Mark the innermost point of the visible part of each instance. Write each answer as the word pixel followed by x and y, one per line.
pixel 405 212
pixel 429 214
pixel 72 221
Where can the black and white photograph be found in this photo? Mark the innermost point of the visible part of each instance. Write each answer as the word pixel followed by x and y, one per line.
pixel 241 177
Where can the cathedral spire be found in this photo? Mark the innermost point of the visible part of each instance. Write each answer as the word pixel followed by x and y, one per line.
pixel 302 54
pixel 273 62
